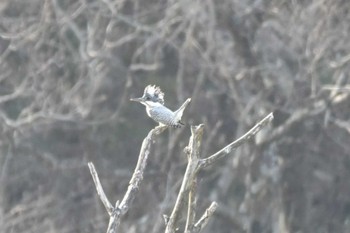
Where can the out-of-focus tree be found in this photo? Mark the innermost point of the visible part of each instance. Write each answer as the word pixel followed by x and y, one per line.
pixel 69 67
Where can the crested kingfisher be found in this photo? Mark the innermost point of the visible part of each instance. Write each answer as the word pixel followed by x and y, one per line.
pixel 153 99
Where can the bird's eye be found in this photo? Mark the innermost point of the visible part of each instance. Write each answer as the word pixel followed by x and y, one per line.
pixel 148 98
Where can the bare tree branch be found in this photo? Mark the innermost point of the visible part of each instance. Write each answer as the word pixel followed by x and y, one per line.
pixel 188 180
pixel 191 209
pixel 233 145
pixel 99 189
pixel 203 221
pixel 193 166
pixel 122 208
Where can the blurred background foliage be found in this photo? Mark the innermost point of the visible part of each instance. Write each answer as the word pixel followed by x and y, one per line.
pixel 68 69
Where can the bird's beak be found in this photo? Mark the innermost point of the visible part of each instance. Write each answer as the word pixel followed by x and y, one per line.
pixel 137 99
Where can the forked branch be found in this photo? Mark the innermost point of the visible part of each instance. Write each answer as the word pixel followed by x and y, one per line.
pixel 195 164
pixel 121 208
pixel 187 193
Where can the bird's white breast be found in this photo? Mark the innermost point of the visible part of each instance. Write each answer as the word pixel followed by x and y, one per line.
pixel 152 105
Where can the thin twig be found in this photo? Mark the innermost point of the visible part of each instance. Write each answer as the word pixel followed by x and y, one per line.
pixel 203 221
pixel 192 206
pixel 227 149
pixel 99 189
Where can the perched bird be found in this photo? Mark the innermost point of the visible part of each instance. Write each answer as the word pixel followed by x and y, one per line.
pixel 153 99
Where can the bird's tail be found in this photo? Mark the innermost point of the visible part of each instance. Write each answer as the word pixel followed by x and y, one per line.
pixel 179 112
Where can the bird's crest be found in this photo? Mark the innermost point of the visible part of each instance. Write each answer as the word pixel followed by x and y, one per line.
pixel 155 93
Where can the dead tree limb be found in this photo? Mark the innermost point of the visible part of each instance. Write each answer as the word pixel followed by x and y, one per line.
pixel 99 189
pixel 203 221
pixel 187 193
pixel 233 145
pixel 189 177
pixel 195 163
pixel 192 207
pixel 122 207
